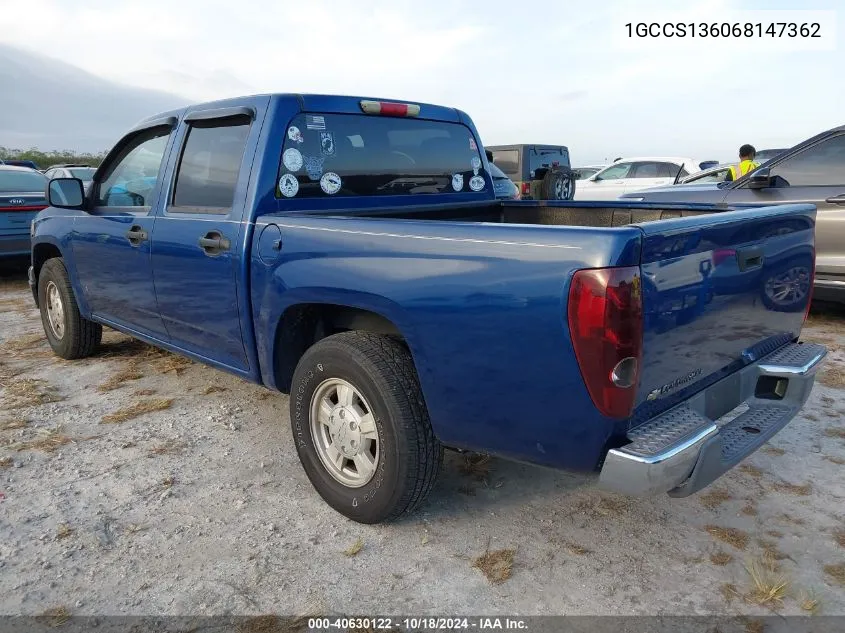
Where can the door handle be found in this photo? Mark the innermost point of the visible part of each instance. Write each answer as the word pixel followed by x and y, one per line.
pixel 213 243
pixel 748 258
pixel 840 199
pixel 136 235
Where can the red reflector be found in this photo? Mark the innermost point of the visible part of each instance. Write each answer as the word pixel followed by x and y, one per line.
pixel 721 254
pixel 606 327
pixel 27 208
pixel 387 108
pixel 526 188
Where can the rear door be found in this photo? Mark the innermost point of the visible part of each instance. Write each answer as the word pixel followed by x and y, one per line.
pixel 815 174
pixel 647 174
pixel 707 301
pixel 196 241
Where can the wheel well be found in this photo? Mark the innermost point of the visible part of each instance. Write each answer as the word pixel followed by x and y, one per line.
pixel 40 254
pixel 303 325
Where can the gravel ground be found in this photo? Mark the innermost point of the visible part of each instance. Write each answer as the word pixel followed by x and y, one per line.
pixel 201 508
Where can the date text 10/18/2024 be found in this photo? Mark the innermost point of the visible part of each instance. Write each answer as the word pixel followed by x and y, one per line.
pixel 417 624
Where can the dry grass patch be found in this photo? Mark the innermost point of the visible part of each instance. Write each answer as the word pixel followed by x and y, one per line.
pixel 721 558
pixel 6 462
pixel 771 551
pixel 774 450
pixel 808 602
pixel 55 617
pixel 839 537
pixel 496 565
pixel 355 548
pixel 578 550
pixel 832 376
pixel 170 447
pixel 768 585
pixel 715 498
pixel 751 470
pixel 213 389
pixel 46 440
pixel 788 518
pixel 63 531
pixel 120 377
pixel 475 465
pixel 137 409
pixel 23 343
pixel 729 592
pixel 732 536
pixel 143 392
pixel 835 431
pixel 775 533
pixel 28 392
pixel 750 508
pixel 13 424
pixel 834 460
pixel 837 572
pixel 804 490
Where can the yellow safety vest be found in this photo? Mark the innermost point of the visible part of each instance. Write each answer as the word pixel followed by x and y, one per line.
pixel 738 171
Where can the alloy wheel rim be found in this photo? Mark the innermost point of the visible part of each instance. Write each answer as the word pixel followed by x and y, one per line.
pixel 55 310
pixel 789 286
pixel 344 432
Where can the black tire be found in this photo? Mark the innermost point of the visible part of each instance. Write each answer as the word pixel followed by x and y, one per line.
pixel 381 369
pixel 75 336
pixel 798 276
pixel 558 184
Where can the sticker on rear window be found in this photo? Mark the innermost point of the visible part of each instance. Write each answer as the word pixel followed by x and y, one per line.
pixel 457 182
pixel 472 145
pixel 330 183
pixel 314 167
pixel 292 159
pixel 327 143
pixel 476 164
pixel 315 122
pixel 295 135
pixel 288 185
pixel 476 183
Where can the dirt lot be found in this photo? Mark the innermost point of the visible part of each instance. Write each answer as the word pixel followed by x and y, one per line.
pixel 136 482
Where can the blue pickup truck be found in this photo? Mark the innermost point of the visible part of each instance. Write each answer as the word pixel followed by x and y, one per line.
pixel 351 252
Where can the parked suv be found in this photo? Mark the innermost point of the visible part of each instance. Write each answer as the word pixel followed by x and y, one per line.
pixel 812 171
pixel 541 172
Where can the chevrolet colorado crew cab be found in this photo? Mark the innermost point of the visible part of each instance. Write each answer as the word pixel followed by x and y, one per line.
pixel 351 252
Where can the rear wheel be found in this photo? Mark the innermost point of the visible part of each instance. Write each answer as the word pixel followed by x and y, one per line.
pixel 787 288
pixel 558 184
pixel 70 334
pixel 361 427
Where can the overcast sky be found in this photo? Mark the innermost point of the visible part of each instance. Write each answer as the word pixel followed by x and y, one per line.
pixel 541 72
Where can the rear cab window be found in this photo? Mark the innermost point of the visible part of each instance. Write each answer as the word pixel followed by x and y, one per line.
pixel 546 158
pixel 349 155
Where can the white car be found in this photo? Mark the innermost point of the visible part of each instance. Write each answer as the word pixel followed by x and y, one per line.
pixel 634 174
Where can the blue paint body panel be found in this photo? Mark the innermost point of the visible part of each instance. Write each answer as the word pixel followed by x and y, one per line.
pixel 481 304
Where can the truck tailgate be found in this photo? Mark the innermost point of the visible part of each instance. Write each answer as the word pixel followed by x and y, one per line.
pixel 719 292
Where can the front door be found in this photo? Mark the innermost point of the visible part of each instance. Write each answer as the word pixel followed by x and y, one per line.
pixel 815 174
pixel 195 240
pixel 608 184
pixel 111 242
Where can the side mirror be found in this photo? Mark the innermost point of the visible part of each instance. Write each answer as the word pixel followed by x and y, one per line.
pixel 595 178
pixel 760 178
pixel 66 193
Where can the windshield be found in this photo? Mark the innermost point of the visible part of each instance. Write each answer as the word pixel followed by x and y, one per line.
pixel 361 155
pixel 496 173
pixel 83 173
pixel 12 181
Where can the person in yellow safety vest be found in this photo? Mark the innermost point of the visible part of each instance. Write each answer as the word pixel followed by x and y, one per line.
pixel 746 163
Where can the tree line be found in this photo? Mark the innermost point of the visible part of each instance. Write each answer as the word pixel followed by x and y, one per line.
pixel 54 157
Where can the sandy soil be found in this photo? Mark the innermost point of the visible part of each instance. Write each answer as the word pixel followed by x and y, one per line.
pixel 201 507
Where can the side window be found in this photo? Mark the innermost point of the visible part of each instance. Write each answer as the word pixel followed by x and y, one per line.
pixel 130 180
pixel 820 165
pixel 208 169
pixel 615 172
pixel 508 161
pixel 654 170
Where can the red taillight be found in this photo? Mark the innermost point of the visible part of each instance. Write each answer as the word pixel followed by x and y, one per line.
pixel 526 188
pixel 721 254
pixel 387 108
pixel 812 286
pixel 38 207
pixel 606 326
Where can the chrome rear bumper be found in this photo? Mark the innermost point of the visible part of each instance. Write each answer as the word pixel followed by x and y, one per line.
pixel 684 449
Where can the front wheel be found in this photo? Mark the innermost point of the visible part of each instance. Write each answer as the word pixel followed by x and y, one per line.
pixel 70 334
pixel 361 427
